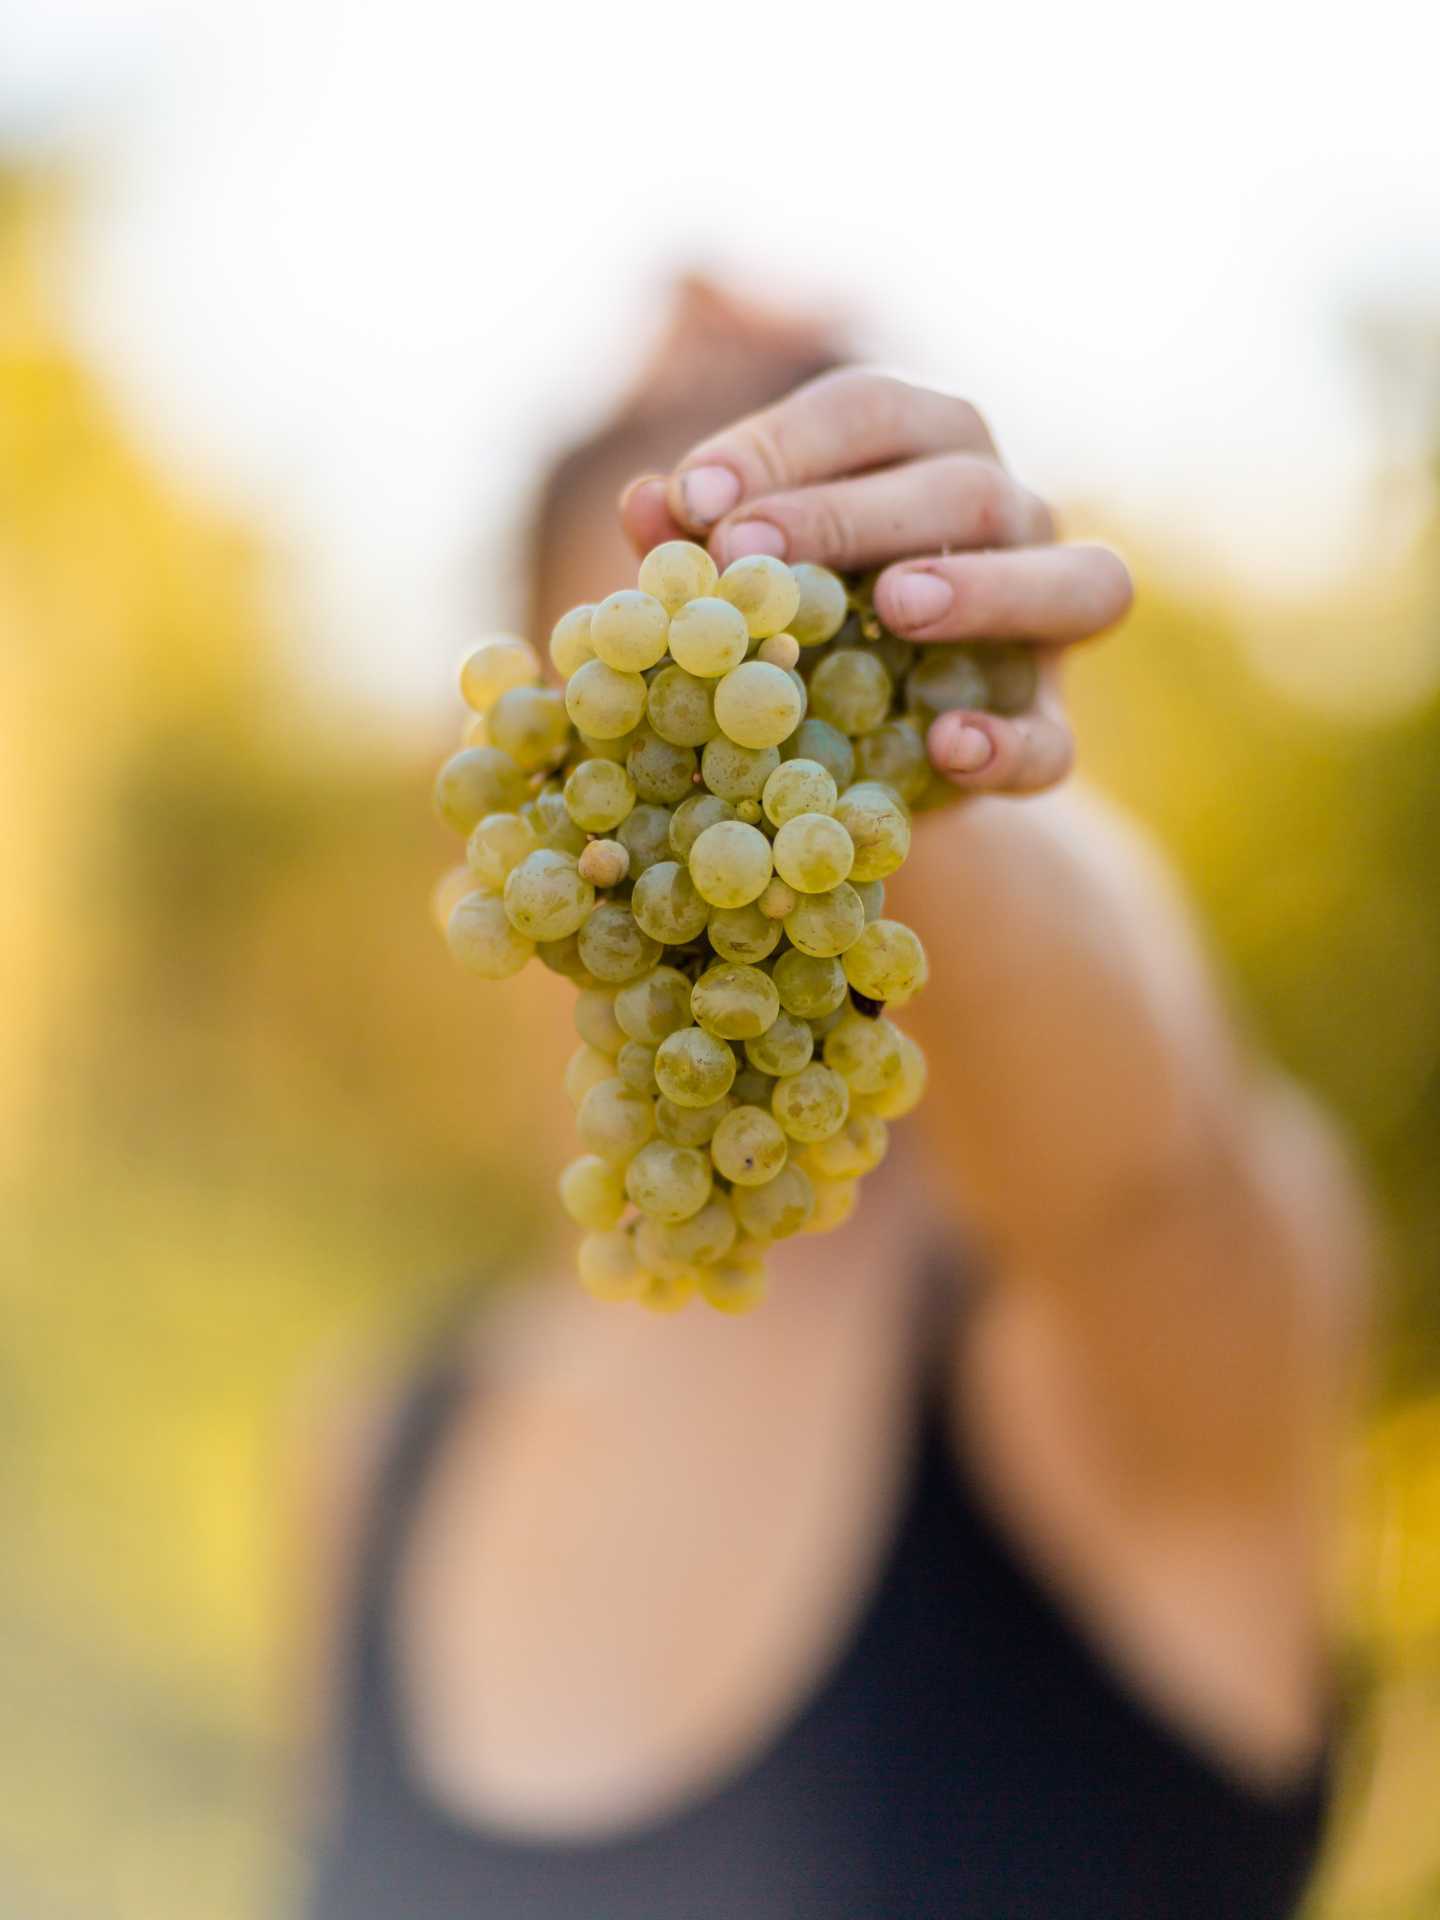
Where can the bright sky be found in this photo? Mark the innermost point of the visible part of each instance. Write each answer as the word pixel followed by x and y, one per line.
pixel 354 265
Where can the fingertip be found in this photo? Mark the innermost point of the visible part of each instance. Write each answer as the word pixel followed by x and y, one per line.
pixel 962 744
pixel 644 514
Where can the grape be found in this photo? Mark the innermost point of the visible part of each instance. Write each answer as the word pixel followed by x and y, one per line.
pixel 730 864
pixel 942 679
pixel 608 1267
pixel 785 1046
pixel 1012 679
pixel 628 631
pixel 812 853
pixel 598 795
pixel 780 1207
pixel 834 1202
pixel 635 1065
pixel 826 923
pixel 817 740
pixel 663 773
pixel 733 1002
pixel 613 1122
pixel 570 641
pixel 757 705
pixel 586 1068
pixel 811 1104
pixel 752 1088
pixel 563 957
pixel 780 650
pixel 667 906
pixel 677 571
pixel 777 900
pixel 872 897
pixel 604 863
pixel 877 823
pixel 691 818
pixel 475 732
pixel 669 1294
pixel 733 1286
pixel 531 725
pixel 887 962
pixel 681 707
pixel 545 896
pixel 551 820
pixel 694 1068
pixel 475 782
pixel 500 841
pixel 482 939
pixel 743 933
pixel 592 1193
pixel 602 702
pixel 856 1148
pixel 765 592
pixel 822 606
pixel 707 1236
pixel 749 1146
pixel 596 1021
pixel 851 690
pixel 903 1094
pixel 655 1005
pixel 708 637
pixel 691 1126
pixel 616 749
pixel 495 668
pixel 866 1052
pixel 809 986
pixel 613 946
pixel 896 754
pixel 447 893
pixel 668 1182
pixel 737 773
pixel 645 835
pixel 799 786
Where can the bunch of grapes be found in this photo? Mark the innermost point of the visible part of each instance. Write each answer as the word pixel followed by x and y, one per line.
pixel 698 831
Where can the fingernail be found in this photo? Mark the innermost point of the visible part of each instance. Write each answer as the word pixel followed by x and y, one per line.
pixel 968 749
pixel 634 486
pixel 708 494
pixel 753 536
pixel 920 598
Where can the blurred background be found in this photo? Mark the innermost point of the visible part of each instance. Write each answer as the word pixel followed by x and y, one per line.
pixel 296 301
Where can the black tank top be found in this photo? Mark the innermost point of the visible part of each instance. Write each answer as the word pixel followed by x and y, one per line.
pixel 970 1756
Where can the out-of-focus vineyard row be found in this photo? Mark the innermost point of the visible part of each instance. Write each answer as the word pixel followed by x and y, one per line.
pixel 248 1108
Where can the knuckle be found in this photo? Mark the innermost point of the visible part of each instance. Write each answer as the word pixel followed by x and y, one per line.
pixel 762 448
pixel 993 506
pixel 831 529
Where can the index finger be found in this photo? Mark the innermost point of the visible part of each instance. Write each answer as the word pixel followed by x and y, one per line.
pixel 837 424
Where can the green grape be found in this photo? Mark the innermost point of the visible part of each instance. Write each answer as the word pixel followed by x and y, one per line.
pixel 809 985
pixel 598 795
pixel 586 1068
pixel 589 748
pixel 663 773
pixel 896 754
pixel 691 1126
pixel 500 841
pixel 656 1004
pixel 750 812
pixel 733 1286
pixel 531 725
pixel 592 1193
pixel 826 923
pixel 887 962
pixel 851 690
pixel 668 1294
pixel 872 897
pixel 613 1122
pixel 604 863
pixel 635 1065
pixel 693 1068
pixel 780 1207
pixel 628 630
pixel 822 607
pixel 563 957
pixel 608 1267
pixel 857 1148
pixel 645 835
pixel 449 890
pixel 681 707
pixel 475 732
pixel 730 864
pixel 897 656
pixel 878 824
pixel 677 571
pixel 811 1104
pixel 764 591
pixel 495 668
pixel 707 1236
pixel 834 1202
pixel 613 945
pixel 477 781
pixel 749 1147
pixel 743 933
pixel 817 740
pixel 866 1052
pixel 777 900
pixel 553 826
pixel 482 939
pixel 785 1046
pixel 799 786
pixel 944 678
pixel 570 641
pixel 668 1182
pixel 781 650
pixel 708 637
pixel 757 705
pixel 691 818
pixel 734 1002
pixel 595 1019
pixel 665 902
pixel 545 896
pixel 737 773
pixel 812 853
pixel 752 1088
pixel 903 1095
pixel 603 702
pixel 1012 679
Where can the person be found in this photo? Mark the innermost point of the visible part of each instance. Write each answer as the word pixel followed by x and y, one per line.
pixel 982 1571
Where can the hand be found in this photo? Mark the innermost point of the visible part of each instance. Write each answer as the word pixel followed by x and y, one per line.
pixel 858 470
